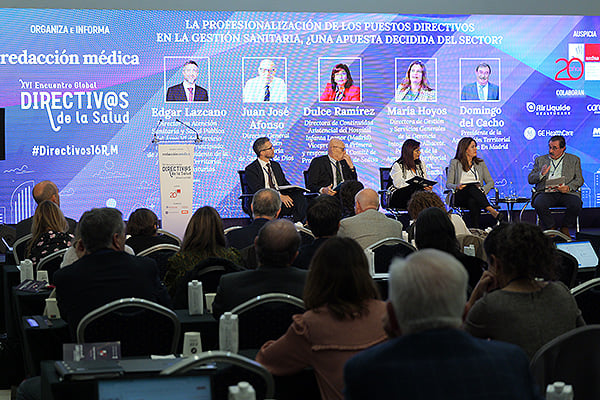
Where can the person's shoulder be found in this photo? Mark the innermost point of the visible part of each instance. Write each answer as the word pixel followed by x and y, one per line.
pixel 200 88
pixel 253 164
pixel 174 87
pixel 572 156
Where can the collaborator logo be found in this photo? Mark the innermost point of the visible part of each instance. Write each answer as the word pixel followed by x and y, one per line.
pixel 529 133
pixel 548 109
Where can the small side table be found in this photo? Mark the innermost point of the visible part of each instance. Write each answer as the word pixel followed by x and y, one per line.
pixel 510 204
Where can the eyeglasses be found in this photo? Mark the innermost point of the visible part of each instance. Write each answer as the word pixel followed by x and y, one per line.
pixel 267 149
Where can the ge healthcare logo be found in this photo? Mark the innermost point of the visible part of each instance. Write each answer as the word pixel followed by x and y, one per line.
pixel 529 133
pixel 548 109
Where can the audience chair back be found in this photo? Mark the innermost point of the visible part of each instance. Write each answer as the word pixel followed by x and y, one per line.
pixel 161 254
pixel 246 195
pixel 265 317
pixel 587 296
pixel 142 326
pixel 380 254
pixel 51 263
pixel 19 248
pixel 209 272
pixel 557 236
pixel 567 267
pixel 573 358
pixel 476 241
pixel 231 228
pixel 169 234
pixel 244 369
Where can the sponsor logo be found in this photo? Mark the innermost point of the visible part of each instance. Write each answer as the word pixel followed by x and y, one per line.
pixel 596 132
pixel 529 133
pixel 548 109
pixel 593 108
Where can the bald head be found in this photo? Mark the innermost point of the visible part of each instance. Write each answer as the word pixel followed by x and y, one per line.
pixel 277 243
pixel 336 149
pixel 366 199
pixel 46 190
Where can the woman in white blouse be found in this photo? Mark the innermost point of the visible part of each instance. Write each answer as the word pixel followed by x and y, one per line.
pixel 471 181
pixel 405 168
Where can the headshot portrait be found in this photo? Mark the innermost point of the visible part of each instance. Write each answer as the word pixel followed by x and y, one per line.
pixel 340 79
pixel 416 80
pixel 265 79
pixel 477 77
pixel 183 85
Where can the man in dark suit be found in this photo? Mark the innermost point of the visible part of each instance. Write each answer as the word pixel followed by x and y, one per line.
pixel 188 90
pixel 104 272
pixel 483 89
pixel 266 173
pixel 328 171
pixel 276 247
pixel 566 168
pixel 45 190
pixel 323 217
pixel 266 206
pixel 429 356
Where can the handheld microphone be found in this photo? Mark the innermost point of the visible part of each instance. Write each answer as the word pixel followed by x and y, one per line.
pixel 154 138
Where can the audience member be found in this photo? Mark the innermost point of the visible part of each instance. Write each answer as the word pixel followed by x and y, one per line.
pixel 143 226
pixel 422 200
pixel 276 247
pixel 433 230
pixel 323 217
pixel 45 190
pixel 104 272
pixel 344 317
pixel 203 238
pixel 266 205
pixel 430 357
pixel 509 303
pixel 348 191
pixel 49 232
pixel 369 226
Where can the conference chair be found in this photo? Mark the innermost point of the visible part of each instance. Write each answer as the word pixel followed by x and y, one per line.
pixel 51 263
pixel 557 236
pixel 161 254
pixel 308 195
pixel 553 210
pixel 385 181
pixel 380 254
pixel 207 271
pixel 19 248
pixel 231 228
pixel 169 234
pixel 244 369
pixel 567 267
pixel 246 196
pixel 587 296
pixel 265 317
pixel 142 326
pixel 573 358
pixel 450 200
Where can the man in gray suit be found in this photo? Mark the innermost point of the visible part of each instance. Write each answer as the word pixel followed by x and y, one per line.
pixel 557 178
pixel 369 226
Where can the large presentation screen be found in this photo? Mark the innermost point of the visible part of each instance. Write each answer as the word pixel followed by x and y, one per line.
pixel 85 92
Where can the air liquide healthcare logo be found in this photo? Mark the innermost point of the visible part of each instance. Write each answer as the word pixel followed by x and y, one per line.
pixel 548 109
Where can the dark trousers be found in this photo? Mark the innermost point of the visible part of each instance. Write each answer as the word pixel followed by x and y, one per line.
pixel 473 200
pixel 400 197
pixel 543 201
pixel 298 210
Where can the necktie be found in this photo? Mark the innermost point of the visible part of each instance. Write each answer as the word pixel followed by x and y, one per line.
pixel 267 94
pixel 339 94
pixel 190 94
pixel 338 173
pixel 480 92
pixel 270 174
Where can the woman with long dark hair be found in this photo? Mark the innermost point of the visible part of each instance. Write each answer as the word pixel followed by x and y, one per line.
pixel 341 86
pixel 344 317
pixel 203 238
pixel 405 168
pixel 470 179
